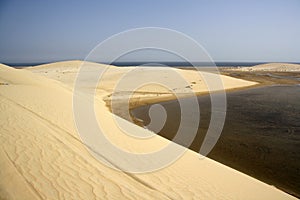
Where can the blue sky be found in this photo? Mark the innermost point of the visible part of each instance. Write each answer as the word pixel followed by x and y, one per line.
pixel 232 30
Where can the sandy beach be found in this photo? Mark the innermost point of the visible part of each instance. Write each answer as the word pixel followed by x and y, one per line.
pixel 42 155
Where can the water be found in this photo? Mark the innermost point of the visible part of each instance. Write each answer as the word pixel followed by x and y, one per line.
pixel 187 64
pixel 170 64
pixel 261 135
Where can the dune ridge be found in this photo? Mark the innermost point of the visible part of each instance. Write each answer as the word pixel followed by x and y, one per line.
pixel 43 157
pixel 272 67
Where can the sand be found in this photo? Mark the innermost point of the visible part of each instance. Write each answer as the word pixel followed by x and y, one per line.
pixel 271 67
pixel 43 157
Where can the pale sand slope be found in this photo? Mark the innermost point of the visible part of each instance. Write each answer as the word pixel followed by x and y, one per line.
pixel 275 67
pixel 42 157
pixel 121 80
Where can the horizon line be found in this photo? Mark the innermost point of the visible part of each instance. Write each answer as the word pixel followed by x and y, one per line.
pixel 147 62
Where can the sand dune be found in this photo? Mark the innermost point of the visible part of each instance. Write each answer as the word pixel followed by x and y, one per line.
pixel 275 67
pixel 43 157
pixel 66 72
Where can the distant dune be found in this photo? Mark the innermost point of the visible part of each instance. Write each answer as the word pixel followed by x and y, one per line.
pixel 43 157
pixel 278 67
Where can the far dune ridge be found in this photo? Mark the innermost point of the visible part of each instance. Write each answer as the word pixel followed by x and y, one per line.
pixel 276 67
pixel 43 157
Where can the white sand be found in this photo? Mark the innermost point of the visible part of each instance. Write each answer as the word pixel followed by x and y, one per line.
pixel 42 156
pixel 274 67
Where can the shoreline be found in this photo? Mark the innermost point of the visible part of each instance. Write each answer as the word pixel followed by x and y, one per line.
pixel 139 103
pixel 226 155
pixel 264 84
pixel 260 78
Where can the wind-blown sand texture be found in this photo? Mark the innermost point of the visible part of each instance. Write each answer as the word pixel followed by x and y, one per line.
pixel 42 156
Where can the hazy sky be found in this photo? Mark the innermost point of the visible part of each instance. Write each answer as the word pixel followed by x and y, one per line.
pixel 261 30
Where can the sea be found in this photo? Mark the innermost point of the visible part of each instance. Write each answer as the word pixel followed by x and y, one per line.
pixel 169 64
